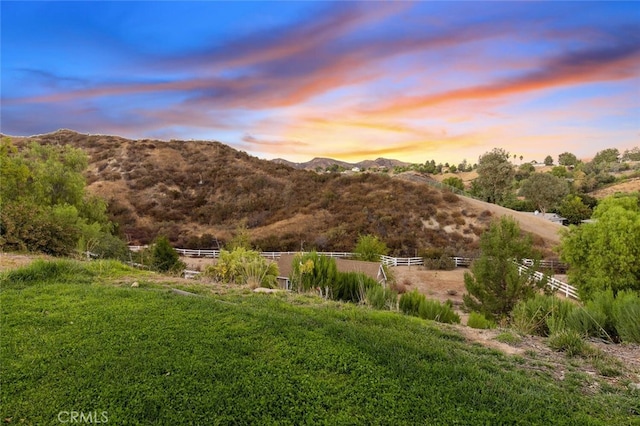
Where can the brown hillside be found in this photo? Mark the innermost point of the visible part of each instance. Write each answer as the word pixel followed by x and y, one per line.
pixel 196 190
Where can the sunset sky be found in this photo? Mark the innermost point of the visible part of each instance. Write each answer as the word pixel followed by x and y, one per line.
pixel 349 80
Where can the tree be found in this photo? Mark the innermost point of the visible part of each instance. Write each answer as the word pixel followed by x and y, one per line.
pixel 548 160
pixel 454 182
pixel 609 155
pixel 369 248
pixel 164 258
pixel 495 175
pixel 574 209
pixel 544 190
pixel 494 285
pixel 604 254
pixel 45 205
pixel 632 154
pixel 567 159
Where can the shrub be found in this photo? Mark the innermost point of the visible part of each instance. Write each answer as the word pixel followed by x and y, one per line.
pixel 351 286
pixel 478 320
pixel 530 316
pixel 379 297
pixel 164 258
pixel 436 311
pixel 567 341
pixel 242 266
pixel 410 302
pixel 370 248
pixel 626 313
pixel 443 263
pixel 311 271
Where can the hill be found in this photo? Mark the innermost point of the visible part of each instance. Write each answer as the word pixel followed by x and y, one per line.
pixel 325 163
pixel 195 192
pixel 77 336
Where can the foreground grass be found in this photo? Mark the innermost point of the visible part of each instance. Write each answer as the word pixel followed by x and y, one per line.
pixel 147 356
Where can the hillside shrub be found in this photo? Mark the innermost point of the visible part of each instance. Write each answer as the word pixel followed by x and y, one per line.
pixel 479 321
pixel 410 302
pixel 351 286
pixel 312 271
pixel 164 258
pixel 567 341
pixel 416 304
pixel 379 297
pixel 626 314
pixel 436 311
pixel 369 248
pixel 242 266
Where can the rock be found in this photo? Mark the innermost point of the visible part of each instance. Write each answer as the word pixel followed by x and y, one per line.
pixel 135 284
pixel 634 386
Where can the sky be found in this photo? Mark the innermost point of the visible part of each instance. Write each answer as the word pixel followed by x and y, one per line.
pixel 413 81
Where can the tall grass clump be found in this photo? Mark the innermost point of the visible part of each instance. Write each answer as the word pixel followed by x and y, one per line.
pixel 410 302
pixel 567 341
pixel 436 311
pixel 626 314
pixel 351 286
pixel 416 304
pixel 46 271
pixel 379 297
pixel 542 315
pixel 479 321
pixel 312 271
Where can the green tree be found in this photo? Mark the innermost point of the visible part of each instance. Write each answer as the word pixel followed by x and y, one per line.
pixel 494 285
pixel 632 154
pixel 609 155
pixel 369 248
pixel 567 159
pixel 544 190
pixel 45 205
pixel 495 175
pixel 454 182
pixel 574 209
pixel 164 258
pixel 604 254
pixel 548 160
pixel 560 171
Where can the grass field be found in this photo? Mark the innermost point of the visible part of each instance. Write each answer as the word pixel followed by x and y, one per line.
pixel 78 338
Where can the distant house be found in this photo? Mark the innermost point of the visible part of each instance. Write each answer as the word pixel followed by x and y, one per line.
pixel 370 269
pixel 553 217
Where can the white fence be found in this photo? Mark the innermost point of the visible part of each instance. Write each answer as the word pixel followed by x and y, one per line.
pixel 564 288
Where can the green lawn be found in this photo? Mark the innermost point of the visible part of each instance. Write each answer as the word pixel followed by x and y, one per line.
pixel 78 342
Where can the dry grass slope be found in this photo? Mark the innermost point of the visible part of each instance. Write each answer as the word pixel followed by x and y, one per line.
pixel 192 191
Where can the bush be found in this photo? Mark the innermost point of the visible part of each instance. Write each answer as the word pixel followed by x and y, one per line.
pixel 242 266
pixel 626 313
pixel 311 271
pixel 541 315
pixel 164 258
pixel 568 341
pixel 443 263
pixel 436 311
pixel 351 286
pixel 379 297
pixel 410 302
pixel 416 304
pixel 370 248
pixel 477 320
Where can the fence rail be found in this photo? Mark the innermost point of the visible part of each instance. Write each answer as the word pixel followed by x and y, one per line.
pixel 525 265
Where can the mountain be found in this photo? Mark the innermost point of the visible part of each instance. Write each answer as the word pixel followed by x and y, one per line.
pixel 324 163
pixel 197 192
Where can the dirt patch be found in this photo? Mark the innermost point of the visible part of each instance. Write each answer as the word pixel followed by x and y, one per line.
pixel 13 261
